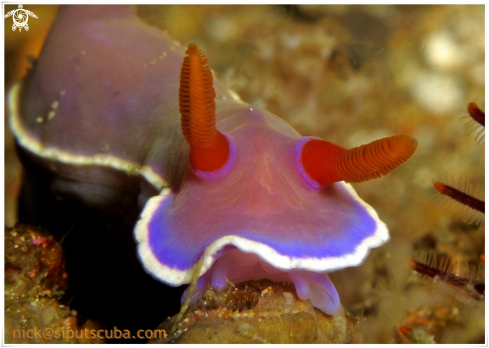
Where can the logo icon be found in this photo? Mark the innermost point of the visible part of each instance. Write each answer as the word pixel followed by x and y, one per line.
pixel 20 17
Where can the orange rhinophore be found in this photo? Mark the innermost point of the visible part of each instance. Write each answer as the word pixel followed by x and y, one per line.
pixel 327 163
pixel 209 148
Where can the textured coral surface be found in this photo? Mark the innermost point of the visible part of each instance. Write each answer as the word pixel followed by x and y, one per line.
pixel 35 281
pixel 257 312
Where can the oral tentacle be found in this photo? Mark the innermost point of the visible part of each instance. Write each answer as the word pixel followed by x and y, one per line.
pixel 234 267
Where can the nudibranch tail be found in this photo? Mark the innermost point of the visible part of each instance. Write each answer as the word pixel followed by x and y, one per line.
pixel 327 163
pixel 209 148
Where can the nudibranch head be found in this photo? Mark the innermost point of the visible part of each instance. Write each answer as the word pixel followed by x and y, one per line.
pixel 256 206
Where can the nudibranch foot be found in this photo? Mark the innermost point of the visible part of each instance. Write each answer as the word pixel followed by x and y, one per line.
pixel 235 266
pixel 257 312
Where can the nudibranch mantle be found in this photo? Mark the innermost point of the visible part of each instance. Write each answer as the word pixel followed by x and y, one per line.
pixel 176 274
pixel 219 181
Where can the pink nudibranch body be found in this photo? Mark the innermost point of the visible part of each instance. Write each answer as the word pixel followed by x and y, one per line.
pixel 257 207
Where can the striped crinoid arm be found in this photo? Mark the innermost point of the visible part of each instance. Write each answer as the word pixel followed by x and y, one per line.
pixel 477 114
pixel 462 195
pixel 476 123
pixel 443 270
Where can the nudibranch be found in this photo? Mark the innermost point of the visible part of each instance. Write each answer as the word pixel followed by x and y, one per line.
pixel 220 181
